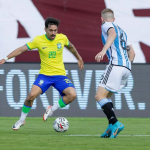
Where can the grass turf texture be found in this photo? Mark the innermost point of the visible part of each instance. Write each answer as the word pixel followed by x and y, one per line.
pixel 39 135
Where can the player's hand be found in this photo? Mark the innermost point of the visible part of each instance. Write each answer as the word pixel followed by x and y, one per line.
pixel 2 61
pixel 100 56
pixel 81 64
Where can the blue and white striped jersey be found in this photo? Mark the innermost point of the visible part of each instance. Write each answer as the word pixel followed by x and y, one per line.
pixel 117 53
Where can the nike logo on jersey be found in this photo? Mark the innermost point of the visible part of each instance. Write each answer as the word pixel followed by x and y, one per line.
pixel 44 47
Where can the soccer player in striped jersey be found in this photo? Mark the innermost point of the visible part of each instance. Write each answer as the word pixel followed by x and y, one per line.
pixel 115 77
pixel 52 72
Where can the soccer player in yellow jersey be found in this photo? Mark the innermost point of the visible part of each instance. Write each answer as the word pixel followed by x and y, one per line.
pixel 52 72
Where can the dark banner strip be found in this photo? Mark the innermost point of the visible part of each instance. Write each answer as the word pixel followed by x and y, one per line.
pixel 16 80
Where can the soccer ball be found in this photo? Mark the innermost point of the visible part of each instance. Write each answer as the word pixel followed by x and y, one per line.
pixel 61 124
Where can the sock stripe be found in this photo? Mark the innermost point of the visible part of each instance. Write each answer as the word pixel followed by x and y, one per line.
pixel 27 106
pixel 26 109
pixel 61 103
pixel 109 100
pixel 103 101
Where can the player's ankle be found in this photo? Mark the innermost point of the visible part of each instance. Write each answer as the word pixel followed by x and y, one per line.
pixel 22 120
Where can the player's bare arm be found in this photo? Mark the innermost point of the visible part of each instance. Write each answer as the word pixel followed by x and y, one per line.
pixel 73 50
pixel 110 40
pixel 131 53
pixel 14 53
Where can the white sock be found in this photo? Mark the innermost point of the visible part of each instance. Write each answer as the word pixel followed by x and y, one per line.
pixel 55 106
pixel 23 116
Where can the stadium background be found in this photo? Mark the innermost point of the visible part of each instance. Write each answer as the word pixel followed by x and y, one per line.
pixel 21 21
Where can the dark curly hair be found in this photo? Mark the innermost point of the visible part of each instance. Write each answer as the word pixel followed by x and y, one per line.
pixel 51 21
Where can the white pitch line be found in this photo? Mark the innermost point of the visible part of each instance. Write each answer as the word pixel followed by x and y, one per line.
pixel 100 135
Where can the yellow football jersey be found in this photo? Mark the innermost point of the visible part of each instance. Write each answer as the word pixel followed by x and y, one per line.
pixel 51 53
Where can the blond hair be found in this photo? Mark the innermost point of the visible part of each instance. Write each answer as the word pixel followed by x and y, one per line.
pixel 107 14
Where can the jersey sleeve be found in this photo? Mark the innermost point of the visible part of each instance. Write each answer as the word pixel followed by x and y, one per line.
pixel 66 41
pixel 32 44
pixel 106 26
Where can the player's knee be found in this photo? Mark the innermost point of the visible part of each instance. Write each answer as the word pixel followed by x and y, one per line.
pixel 31 96
pixel 97 97
pixel 72 95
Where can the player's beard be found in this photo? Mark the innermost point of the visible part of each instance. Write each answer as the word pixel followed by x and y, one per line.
pixel 53 36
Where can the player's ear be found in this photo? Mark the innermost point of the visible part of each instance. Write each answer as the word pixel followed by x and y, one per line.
pixel 102 19
pixel 113 19
pixel 45 29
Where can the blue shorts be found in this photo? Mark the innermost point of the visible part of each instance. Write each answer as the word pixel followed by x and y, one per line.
pixel 58 82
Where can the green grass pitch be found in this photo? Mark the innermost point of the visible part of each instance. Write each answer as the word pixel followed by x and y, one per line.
pixel 83 134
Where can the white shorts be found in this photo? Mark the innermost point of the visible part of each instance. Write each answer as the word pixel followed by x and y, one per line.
pixel 114 78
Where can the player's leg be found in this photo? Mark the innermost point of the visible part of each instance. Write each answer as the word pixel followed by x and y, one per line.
pixel 118 127
pixel 103 94
pixel 40 85
pixel 67 92
pixel 109 84
pixel 69 95
pixel 115 87
pixel 35 91
pixel 101 97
